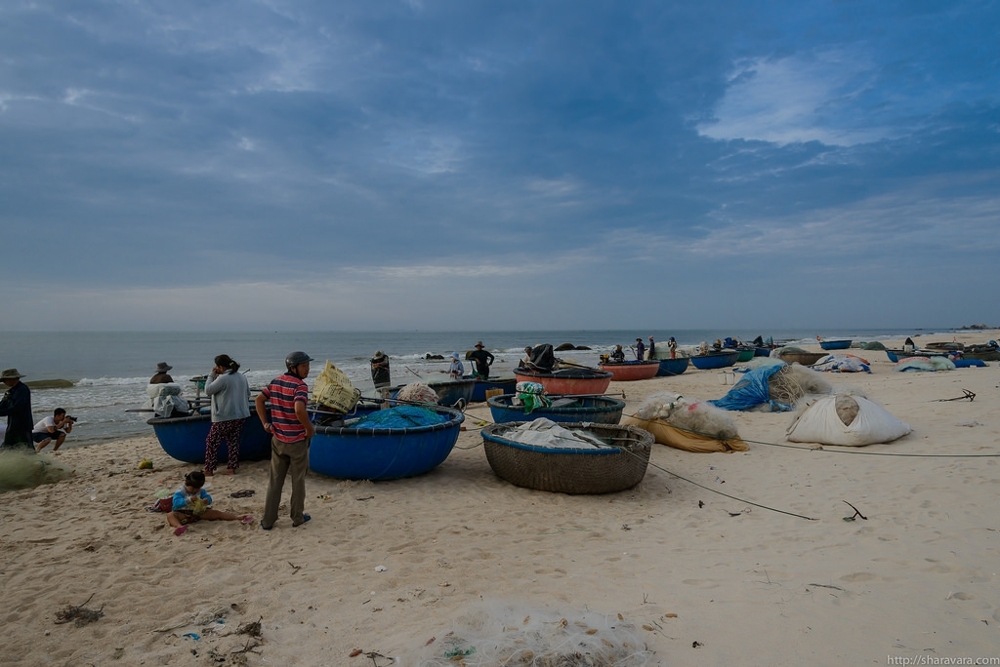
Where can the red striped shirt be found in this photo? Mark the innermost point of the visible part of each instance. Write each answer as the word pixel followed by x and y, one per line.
pixel 283 393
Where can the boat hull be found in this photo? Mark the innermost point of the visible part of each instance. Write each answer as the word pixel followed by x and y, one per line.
pixel 835 344
pixel 183 438
pixel 802 358
pixel 575 471
pixel 670 367
pixel 715 360
pixel 594 382
pixel 383 454
pixel 630 371
pixel 482 386
pixel 451 393
pixel 597 409
pixel 746 354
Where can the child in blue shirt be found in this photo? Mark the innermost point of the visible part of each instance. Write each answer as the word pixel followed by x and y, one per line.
pixel 192 503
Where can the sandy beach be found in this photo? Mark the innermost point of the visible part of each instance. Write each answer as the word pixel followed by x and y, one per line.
pixel 386 570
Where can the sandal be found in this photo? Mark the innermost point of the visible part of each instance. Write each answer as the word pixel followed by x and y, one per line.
pixel 180 530
pixel 245 519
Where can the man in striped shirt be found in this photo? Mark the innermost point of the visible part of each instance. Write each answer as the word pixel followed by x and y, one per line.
pixel 290 431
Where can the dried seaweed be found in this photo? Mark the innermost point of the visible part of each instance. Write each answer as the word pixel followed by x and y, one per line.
pixel 80 615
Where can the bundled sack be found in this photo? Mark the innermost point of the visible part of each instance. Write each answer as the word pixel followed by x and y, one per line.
pixel 850 421
pixel 167 400
pixel 691 425
pixel 530 396
pixel 333 390
pixel 842 363
pixel 924 364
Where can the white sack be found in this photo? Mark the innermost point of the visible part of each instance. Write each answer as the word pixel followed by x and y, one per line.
pixel 820 423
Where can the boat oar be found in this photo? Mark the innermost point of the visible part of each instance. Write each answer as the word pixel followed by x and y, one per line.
pixel 610 393
pixel 414 372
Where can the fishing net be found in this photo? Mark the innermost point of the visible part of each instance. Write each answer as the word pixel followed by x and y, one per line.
pixel 401 416
pixel 793 382
pixel 493 636
pixel 26 470
pixel 688 414
pixel 417 392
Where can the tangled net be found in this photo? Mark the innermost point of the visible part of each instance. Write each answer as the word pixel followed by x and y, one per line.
pixel 689 414
pixel 529 638
pixel 417 392
pixel 793 382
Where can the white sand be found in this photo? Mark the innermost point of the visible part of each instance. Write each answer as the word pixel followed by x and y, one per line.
pixel 917 579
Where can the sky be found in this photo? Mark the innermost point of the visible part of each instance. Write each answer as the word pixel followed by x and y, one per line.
pixel 392 165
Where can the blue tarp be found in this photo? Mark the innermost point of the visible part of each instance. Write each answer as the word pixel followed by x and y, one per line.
pixel 401 416
pixel 751 391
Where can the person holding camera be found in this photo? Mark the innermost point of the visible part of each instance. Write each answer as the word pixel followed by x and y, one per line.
pixel 58 426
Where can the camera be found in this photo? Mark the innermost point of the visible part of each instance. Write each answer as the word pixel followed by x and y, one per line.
pixel 71 418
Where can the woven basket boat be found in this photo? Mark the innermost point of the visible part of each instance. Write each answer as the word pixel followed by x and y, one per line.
pixel 618 467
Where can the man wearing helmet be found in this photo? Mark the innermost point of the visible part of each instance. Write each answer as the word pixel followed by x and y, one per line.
pixel 290 431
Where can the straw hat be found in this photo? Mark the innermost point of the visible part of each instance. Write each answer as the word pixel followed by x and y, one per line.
pixel 10 374
pixel 162 367
pixel 379 354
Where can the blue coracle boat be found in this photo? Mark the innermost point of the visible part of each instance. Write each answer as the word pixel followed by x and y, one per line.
pixel 482 386
pixel 596 409
pixel 183 438
pixel 715 360
pixel 451 393
pixel 673 366
pixel 384 453
pixel 835 344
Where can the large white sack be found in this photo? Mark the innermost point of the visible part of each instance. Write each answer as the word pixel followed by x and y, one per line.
pixel 821 423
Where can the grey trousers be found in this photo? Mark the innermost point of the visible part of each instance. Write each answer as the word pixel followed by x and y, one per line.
pixel 287 456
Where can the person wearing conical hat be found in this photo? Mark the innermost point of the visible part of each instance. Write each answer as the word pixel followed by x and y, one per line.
pixel 161 376
pixel 16 406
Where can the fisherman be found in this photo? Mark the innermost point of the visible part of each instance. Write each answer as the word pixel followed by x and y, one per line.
pixel 652 348
pixel 483 360
pixel 380 372
pixel 161 376
pixel 456 369
pixel 618 356
pixel 672 346
pixel 16 406
pixel 640 349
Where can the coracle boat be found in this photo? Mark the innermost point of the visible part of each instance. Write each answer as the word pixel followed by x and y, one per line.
pixel 835 344
pixel 712 360
pixel 451 393
pixel 569 409
pixel 803 358
pixel 746 354
pixel 618 464
pixel 567 380
pixel 627 371
pixel 183 438
pixel 987 352
pixel 895 355
pixel 673 366
pixel 506 385
pixel 377 453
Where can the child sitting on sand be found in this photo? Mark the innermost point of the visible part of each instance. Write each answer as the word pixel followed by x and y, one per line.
pixel 192 503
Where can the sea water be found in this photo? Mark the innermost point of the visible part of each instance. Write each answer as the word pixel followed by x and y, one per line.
pixel 110 370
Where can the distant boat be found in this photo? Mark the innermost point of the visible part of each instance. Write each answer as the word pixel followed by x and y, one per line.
pixel 183 438
pixel 670 367
pixel 835 343
pixel 713 360
pixel 627 371
pixel 599 409
pixel 379 454
pixel 618 466
pixel 580 380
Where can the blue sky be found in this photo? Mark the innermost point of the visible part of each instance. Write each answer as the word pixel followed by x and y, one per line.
pixel 272 165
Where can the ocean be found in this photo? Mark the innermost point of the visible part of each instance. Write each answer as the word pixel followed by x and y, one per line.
pixel 110 370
